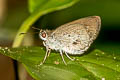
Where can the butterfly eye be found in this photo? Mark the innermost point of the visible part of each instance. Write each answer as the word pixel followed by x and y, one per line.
pixel 43 35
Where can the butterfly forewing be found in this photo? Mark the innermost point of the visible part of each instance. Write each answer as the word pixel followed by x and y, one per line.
pixel 79 34
pixel 91 24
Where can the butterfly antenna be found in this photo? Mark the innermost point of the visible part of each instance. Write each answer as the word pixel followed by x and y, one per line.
pixel 36 28
pixel 31 33
pixel 28 33
pixel 22 33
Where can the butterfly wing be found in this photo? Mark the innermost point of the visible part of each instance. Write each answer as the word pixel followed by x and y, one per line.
pixel 78 35
pixel 92 24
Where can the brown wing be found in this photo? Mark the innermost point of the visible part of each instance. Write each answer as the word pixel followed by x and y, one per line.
pixel 92 25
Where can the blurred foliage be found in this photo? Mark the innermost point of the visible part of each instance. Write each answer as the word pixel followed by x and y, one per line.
pixel 108 10
pixel 40 10
pixel 15 15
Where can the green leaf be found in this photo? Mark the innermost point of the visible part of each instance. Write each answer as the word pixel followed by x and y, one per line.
pixel 49 4
pixel 40 9
pixel 95 65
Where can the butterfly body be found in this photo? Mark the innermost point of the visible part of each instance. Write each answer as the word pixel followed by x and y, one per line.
pixel 72 38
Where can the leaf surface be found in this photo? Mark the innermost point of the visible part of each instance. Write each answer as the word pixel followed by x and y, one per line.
pixel 95 65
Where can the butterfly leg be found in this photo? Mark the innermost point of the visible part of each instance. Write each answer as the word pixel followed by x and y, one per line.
pixel 69 57
pixel 62 57
pixel 47 53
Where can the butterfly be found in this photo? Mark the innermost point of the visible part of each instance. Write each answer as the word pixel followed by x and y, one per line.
pixel 72 38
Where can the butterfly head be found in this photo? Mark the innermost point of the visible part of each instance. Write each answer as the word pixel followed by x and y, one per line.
pixel 43 35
